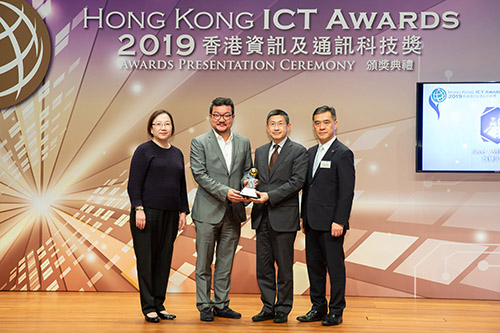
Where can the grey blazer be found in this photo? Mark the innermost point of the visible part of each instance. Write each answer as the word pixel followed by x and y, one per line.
pixel 214 179
pixel 282 185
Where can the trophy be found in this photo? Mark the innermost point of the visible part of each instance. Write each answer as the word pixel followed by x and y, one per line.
pixel 249 190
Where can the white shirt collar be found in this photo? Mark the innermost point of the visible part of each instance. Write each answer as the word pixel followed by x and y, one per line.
pixel 280 144
pixel 327 144
pixel 220 138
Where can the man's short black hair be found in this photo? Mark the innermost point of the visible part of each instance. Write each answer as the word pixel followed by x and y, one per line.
pixel 222 101
pixel 325 108
pixel 278 112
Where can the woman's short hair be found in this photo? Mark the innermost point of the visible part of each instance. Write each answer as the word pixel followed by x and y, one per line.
pixel 156 114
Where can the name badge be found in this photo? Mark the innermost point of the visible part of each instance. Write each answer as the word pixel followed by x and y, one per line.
pixel 325 164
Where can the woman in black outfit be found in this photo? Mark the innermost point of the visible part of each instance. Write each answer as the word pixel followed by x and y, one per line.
pixel 159 205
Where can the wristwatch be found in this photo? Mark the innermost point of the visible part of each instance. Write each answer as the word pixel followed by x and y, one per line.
pixel 139 208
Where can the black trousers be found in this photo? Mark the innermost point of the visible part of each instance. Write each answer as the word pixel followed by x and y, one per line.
pixel 153 248
pixel 275 247
pixel 326 253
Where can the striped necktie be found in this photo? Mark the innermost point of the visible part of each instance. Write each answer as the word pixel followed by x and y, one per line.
pixel 274 156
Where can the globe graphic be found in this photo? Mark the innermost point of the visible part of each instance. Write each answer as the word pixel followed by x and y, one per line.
pixel 438 95
pixel 25 54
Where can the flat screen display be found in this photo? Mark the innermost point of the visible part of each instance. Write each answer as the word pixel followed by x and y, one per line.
pixel 458 127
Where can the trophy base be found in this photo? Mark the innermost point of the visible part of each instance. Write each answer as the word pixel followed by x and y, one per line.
pixel 249 193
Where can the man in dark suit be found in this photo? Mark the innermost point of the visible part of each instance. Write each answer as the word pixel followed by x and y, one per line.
pixel 220 159
pixel 326 206
pixel 282 170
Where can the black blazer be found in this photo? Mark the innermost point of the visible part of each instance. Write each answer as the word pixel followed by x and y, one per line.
pixel 327 197
pixel 282 185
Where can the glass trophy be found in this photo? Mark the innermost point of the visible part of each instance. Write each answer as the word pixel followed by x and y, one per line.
pixel 249 190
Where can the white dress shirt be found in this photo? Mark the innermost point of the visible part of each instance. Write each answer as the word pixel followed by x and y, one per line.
pixel 271 149
pixel 226 147
pixel 320 153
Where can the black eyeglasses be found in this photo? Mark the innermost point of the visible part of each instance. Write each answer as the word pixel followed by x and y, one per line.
pixel 226 116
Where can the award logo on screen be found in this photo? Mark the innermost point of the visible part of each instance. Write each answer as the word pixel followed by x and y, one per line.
pixel 437 96
pixel 25 51
pixel 490 125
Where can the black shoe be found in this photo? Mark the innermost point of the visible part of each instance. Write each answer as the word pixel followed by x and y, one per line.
pixel 167 316
pixel 207 314
pixel 331 320
pixel 280 317
pixel 312 315
pixel 226 312
pixel 261 316
pixel 152 319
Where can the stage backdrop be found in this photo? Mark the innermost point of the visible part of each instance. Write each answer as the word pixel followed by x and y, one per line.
pixel 65 151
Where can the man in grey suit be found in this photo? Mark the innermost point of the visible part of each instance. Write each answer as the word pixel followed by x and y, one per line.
pixel 219 161
pixel 282 171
